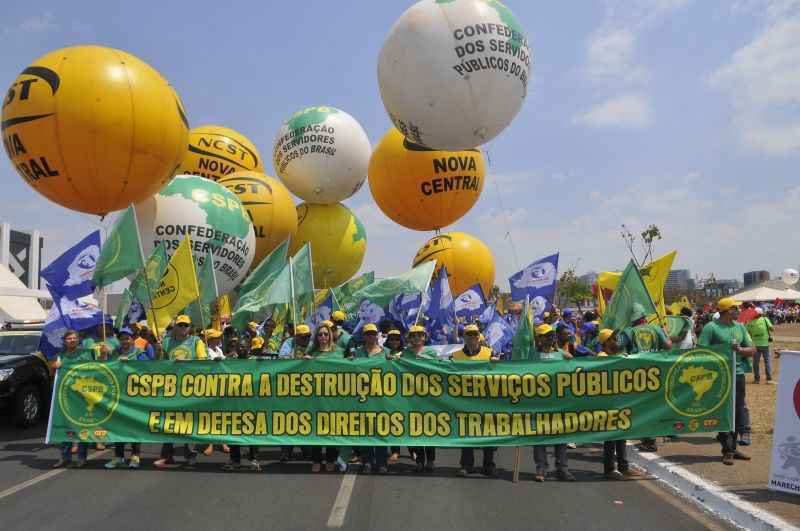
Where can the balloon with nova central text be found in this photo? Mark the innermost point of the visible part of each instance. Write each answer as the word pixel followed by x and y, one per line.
pixel 454 73
pixel 93 129
pixel 213 218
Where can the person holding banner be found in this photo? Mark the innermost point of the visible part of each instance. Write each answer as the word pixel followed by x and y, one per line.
pixel 425 455
pixel 71 354
pixel 370 348
pixel 394 346
pixel 340 335
pixel 545 340
pixel 728 331
pixel 615 457
pixel 473 351
pixel 127 351
pixel 214 344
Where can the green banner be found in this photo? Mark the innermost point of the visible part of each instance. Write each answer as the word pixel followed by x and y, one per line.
pixel 399 402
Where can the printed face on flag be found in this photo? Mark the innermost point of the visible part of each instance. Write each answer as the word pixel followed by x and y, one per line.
pixel 469 300
pixel 370 312
pixel 537 275
pixel 538 305
pixel 82 266
pixel 494 332
pixel 135 312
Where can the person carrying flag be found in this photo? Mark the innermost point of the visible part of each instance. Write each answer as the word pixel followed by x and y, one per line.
pixel 545 340
pixel 473 351
pixel 71 354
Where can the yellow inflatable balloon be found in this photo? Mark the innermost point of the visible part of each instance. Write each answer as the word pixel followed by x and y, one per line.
pixel 338 242
pixel 467 259
pixel 216 151
pixel 93 129
pixel 424 189
pixel 269 205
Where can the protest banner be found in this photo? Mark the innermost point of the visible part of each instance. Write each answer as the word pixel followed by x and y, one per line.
pixel 399 402
pixel 784 474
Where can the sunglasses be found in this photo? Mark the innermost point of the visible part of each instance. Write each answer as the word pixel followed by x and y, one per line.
pixel 183 325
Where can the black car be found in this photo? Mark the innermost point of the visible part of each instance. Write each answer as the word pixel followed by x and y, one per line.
pixel 25 384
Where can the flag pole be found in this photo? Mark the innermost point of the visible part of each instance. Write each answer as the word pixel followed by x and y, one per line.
pixel 427 286
pixel 144 268
pixel 291 287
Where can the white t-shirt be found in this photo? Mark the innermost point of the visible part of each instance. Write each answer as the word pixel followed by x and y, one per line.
pixel 215 353
pixel 688 341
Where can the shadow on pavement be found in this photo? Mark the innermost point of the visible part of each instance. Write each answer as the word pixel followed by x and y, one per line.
pixel 9 432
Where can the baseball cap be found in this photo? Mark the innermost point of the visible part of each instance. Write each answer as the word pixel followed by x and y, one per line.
pixel 471 329
pixel 393 332
pixel 369 327
pixel 257 342
pixel 567 313
pixel 212 333
pixel 302 330
pixel 183 319
pixel 604 334
pixel 725 304
pixel 417 329
pixel 327 323
pixel 252 324
pixel 338 315
pixel 125 330
pixel 543 329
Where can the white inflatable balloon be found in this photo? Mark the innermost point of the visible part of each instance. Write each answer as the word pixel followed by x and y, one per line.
pixel 790 276
pixel 211 215
pixel 321 154
pixel 453 74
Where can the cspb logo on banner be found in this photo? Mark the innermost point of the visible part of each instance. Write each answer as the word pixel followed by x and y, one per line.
pixel 89 394
pixel 785 471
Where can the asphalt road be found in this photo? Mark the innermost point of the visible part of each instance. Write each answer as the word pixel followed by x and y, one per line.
pixel 289 496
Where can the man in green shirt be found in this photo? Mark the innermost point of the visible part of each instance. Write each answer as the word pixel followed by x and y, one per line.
pixel 180 344
pixel 340 335
pixel 425 455
pixel 760 330
pixel 727 331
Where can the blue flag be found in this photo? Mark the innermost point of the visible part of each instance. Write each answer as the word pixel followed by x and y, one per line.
pixel 440 310
pixel 470 304
pixel 498 332
pixel 404 309
pixel 66 314
pixel 537 282
pixel 70 274
pixel 368 312
pixel 322 312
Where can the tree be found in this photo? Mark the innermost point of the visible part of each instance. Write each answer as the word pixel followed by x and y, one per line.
pixel 572 290
pixel 646 241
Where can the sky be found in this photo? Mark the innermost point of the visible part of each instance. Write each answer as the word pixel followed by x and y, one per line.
pixel 680 113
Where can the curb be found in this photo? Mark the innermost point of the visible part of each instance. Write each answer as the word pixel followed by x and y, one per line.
pixel 706 495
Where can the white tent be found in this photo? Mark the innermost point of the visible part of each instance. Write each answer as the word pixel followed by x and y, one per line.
pixel 18 303
pixel 765 294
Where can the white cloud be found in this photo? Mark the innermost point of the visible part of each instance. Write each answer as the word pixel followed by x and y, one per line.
pixel 762 80
pixel 629 111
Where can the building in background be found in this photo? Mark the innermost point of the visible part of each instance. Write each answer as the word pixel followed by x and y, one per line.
pixel 21 253
pixel 588 278
pixel 679 280
pixel 755 277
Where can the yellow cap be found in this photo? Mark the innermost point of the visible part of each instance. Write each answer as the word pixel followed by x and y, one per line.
pixel 338 315
pixel 543 329
pixel 302 330
pixel 604 334
pixel 212 334
pixel 252 324
pixel 327 323
pixel 472 329
pixel 417 329
pixel 727 303
pixel 393 332
pixel 370 328
pixel 257 342
pixel 183 319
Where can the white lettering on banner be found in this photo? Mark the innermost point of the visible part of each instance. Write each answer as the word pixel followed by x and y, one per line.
pixel 785 470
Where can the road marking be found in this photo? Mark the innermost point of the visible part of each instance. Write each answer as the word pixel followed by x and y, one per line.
pixel 42 477
pixel 339 510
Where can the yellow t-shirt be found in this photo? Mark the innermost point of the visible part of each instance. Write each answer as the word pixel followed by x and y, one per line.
pixel 484 354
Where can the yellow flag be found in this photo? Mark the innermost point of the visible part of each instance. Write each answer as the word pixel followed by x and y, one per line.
pixel 178 287
pixel 679 305
pixel 654 276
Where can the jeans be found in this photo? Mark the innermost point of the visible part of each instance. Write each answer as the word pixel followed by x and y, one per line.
pixel 468 458
pixel 119 449
pixel 540 457
pixel 615 452
pixel 236 453
pixel 727 440
pixel 331 453
pixel 424 454
pixel 374 455
pixel 66 451
pixel 762 352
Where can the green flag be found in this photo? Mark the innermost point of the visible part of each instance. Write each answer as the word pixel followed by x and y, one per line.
pixel 383 291
pixel 124 305
pixel 343 295
pixel 148 280
pixel 199 313
pixel 630 299
pixel 302 283
pixel 121 254
pixel 522 343
pixel 207 280
pixel 271 263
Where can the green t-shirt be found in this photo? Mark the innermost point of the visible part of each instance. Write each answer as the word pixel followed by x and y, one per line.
pixel 336 353
pixel 80 354
pixel 759 329
pixel 427 353
pixel 344 339
pixel 644 338
pixel 360 352
pixel 89 342
pixel 555 355
pixel 716 333
pixel 131 355
pixel 191 348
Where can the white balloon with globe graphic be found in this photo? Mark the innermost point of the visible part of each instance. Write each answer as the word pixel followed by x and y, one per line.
pixel 321 154
pixel 211 216
pixel 454 73
pixel 790 276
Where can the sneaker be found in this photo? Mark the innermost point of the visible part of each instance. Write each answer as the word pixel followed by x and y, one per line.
pixel 429 466
pixel 740 456
pixel 490 471
pixel 191 459
pixel 572 446
pixel 564 475
pixel 770 382
pixel 354 459
pixel 316 467
pixel 419 467
pixel 163 463
pixel 744 439
pixel 255 465
pixel 208 450
pixel 727 459
pixel 539 477
pixel 135 461
pixel 284 458
pixel 383 470
pixel 463 472
pixel 115 463
pixel 631 473
pixel 648 447
pixel 614 475
pixel 329 467
pixel 756 381
pixel 366 468
pixel 61 463
pixel 342 465
pixel 79 463
pixel 231 466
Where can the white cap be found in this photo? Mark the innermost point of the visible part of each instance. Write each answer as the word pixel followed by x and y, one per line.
pixel 759 311
pixel 716 316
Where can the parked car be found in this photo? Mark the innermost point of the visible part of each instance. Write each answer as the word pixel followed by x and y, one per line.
pixel 25 382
